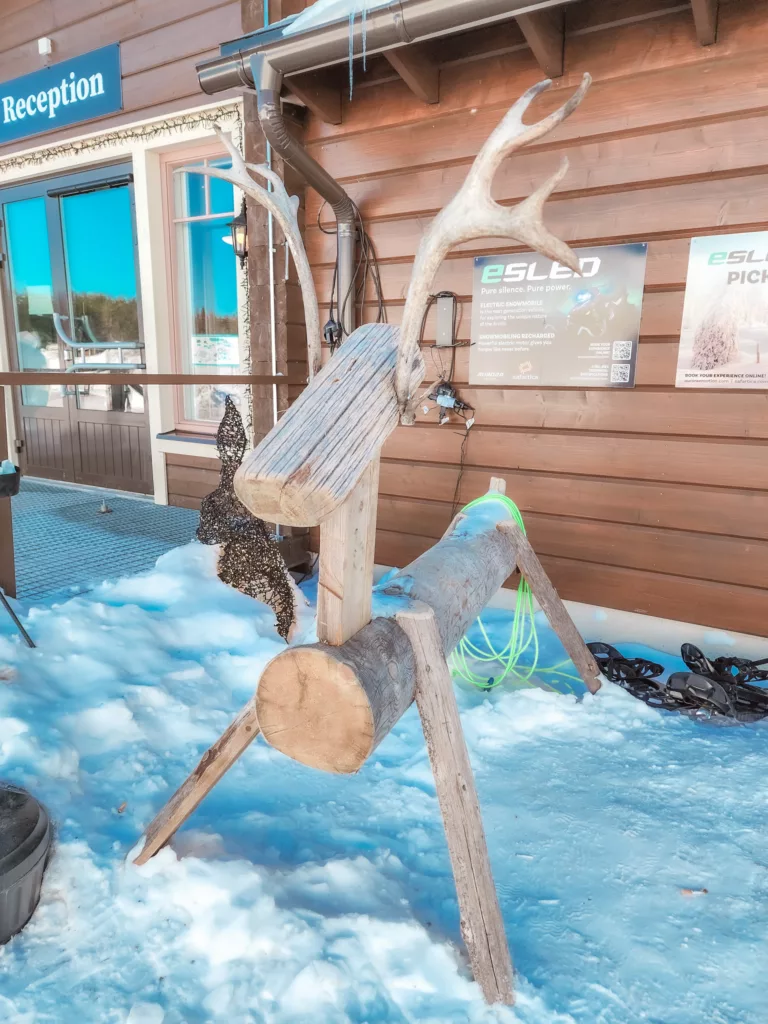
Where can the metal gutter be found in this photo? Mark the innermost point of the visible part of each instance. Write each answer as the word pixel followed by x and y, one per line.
pixel 401 23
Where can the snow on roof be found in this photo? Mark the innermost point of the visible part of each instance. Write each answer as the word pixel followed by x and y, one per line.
pixel 324 12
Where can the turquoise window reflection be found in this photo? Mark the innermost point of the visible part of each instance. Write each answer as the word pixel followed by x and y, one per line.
pixel 32 288
pixel 103 295
pixel 98 239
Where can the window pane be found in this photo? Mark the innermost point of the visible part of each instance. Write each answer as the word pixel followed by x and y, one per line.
pixel 101 271
pixel 32 285
pixel 222 193
pixel 207 268
pixel 189 192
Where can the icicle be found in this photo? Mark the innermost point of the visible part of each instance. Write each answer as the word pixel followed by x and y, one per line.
pixel 364 25
pixel 365 35
pixel 351 50
pixel 325 11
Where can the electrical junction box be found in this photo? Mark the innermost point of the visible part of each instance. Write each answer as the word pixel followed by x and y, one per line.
pixel 446 310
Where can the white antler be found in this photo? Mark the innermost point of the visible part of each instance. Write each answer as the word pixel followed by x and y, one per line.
pixel 284 209
pixel 472 213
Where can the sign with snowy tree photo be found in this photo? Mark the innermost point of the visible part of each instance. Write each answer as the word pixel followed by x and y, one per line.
pixel 724 337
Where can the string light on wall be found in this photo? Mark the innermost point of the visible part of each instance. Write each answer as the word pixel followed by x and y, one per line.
pixel 227 116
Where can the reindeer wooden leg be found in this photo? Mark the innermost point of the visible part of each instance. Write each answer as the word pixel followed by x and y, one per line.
pixel 347 542
pixel 482 926
pixel 551 604
pixel 217 760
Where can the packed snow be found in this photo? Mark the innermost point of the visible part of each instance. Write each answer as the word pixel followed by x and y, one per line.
pixel 295 896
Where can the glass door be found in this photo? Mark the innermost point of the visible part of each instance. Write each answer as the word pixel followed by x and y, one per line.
pixel 42 409
pixel 73 282
pixel 102 317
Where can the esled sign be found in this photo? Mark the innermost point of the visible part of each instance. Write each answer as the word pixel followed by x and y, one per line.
pixel 62 94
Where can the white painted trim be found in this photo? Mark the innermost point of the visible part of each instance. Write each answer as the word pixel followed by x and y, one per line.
pixel 47 162
pixel 156 314
pixel 171 446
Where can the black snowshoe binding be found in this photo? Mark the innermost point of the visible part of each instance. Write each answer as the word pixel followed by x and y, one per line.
pixel 617 668
pixel 716 690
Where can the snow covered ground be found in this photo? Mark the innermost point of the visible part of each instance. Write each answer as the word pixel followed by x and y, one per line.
pixel 294 896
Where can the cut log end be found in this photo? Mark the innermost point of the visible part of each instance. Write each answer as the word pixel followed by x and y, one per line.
pixel 285 501
pixel 314 709
pixel 330 707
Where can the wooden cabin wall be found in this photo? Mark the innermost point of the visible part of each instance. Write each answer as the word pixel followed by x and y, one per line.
pixel 190 479
pixel 160 42
pixel 653 500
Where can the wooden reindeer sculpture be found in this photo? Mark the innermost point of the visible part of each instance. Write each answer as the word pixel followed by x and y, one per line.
pixel 329 704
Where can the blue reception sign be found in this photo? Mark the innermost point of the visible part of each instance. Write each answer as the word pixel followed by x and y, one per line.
pixel 74 90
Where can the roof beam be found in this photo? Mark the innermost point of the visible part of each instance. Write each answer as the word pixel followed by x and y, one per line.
pixel 416 69
pixel 544 32
pixel 319 91
pixel 705 19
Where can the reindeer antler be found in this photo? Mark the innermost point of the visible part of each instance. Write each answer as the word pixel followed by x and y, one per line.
pixel 472 213
pixel 284 209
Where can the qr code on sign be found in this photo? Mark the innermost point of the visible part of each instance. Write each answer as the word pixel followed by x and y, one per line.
pixel 622 350
pixel 620 373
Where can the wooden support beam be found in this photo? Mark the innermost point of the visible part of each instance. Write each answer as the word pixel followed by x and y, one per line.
pixel 320 92
pixel 544 32
pixel 549 600
pixel 705 20
pixel 347 542
pixel 482 926
pixel 217 760
pixel 417 71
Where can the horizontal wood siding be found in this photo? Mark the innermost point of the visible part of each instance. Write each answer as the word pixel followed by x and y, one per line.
pixel 653 500
pixel 160 44
pixel 190 479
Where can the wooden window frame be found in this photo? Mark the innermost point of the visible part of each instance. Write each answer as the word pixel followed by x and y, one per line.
pixel 170 161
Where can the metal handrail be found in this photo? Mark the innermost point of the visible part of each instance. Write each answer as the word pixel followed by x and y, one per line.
pixel 105 367
pixel 53 377
pixel 93 342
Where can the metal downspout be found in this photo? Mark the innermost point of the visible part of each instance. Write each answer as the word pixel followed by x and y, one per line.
pixel 272 297
pixel 268 84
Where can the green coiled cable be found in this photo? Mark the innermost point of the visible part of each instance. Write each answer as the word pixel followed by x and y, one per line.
pixel 523 635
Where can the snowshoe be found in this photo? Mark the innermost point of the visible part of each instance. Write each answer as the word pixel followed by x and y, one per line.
pixel 619 669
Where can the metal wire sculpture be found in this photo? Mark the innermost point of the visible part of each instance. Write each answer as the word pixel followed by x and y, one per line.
pixel 249 559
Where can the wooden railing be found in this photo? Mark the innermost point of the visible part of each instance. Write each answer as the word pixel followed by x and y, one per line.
pixel 46 377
